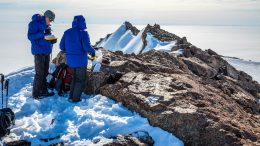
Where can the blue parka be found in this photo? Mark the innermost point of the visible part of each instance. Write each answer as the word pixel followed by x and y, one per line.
pixel 76 43
pixel 36 29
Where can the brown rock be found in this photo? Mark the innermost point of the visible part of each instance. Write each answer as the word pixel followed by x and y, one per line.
pixel 191 104
pixel 132 140
pixel 18 143
pixel 61 58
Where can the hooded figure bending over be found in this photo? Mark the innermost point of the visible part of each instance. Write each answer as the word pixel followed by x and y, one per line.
pixel 76 44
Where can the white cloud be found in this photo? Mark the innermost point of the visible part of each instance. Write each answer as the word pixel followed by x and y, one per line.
pixel 244 12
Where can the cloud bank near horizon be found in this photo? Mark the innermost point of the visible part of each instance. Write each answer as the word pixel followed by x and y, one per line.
pixel 181 12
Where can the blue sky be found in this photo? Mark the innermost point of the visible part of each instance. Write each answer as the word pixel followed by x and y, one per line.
pixel 180 12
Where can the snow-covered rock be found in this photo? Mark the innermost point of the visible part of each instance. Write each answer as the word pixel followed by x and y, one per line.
pixel 126 40
pixel 118 40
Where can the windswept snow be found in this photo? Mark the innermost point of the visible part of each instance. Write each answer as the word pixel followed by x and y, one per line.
pixel 135 45
pixel 118 40
pixel 94 119
pixel 124 40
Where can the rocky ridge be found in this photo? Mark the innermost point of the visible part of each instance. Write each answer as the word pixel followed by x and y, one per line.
pixel 198 96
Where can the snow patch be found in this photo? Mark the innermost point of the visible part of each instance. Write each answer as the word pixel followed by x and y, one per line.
pixel 178 52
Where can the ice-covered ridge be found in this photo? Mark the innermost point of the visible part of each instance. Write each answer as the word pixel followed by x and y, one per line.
pixel 124 40
pixel 135 45
pixel 118 40
pixel 155 44
pixel 94 118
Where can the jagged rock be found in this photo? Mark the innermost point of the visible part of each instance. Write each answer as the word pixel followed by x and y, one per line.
pixel 18 143
pixel 134 139
pixel 211 52
pixel 200 68
pixel 129 26
pixel 160 34
pixel 200 97
pixel 197 108
pixel 95 81
pixel 61 58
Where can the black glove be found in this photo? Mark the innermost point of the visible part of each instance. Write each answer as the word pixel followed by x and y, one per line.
pixel 93 55
pixel 47 31
pixel 96 48
pixel 53 41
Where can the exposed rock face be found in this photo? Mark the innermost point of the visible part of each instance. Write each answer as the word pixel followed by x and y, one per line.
pixel 199 97
pixel 162 35
pixel 61 58
pixel 18 143
pixel 129 26
pixel 132 140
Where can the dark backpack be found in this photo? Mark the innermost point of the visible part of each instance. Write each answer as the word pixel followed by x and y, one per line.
pixel 7 118
pixel 61 79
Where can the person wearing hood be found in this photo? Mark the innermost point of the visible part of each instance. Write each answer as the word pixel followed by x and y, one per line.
pixel 41 48
pixel 76 45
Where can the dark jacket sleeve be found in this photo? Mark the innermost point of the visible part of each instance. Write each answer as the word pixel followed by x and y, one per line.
pixel 33 33
pixel 62 43
pixel 86 43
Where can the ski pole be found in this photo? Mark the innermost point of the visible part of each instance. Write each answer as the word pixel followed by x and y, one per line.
pixel 7 90
pixel 2 82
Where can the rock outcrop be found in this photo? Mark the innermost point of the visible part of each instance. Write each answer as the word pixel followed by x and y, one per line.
pixel 139 138
pixel 132 28
pixel 199 97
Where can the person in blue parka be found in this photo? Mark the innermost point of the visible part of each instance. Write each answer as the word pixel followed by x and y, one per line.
pixel 41 48
pixel 76 44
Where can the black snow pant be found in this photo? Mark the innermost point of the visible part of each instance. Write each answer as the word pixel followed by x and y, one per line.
pixel 40 84
pixel 78 83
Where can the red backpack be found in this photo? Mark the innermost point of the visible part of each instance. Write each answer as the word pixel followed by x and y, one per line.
pixel 61 79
